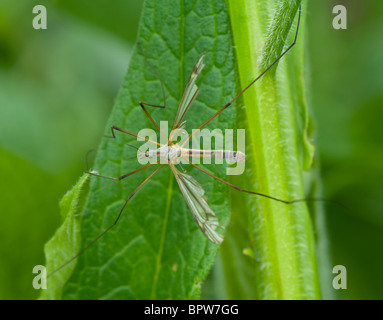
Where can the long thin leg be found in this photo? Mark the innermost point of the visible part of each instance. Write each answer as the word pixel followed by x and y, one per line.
pixel 238 188
pixel 110 227
pixel 152 105
pixel 87 154
pixel 125 175
pixel 249 85
pixel 132 134
pixel 151 119
pixel 267 196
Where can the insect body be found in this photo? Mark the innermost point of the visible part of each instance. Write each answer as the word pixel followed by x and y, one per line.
pixel 190 188
pixel 172 152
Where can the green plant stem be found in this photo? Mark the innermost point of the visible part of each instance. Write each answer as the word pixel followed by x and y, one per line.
pixel 281 235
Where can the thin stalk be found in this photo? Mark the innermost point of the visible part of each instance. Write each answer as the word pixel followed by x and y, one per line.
pixel 275 117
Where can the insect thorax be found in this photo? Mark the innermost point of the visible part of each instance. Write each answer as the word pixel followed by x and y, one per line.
pixel 166 153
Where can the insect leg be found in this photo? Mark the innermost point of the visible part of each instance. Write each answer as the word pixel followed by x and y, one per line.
pixel 110 227
pixel 152 105
pixel 238 188
pixel 270 197
pixel 131 133
pixel 151 119
pixel 123 176
pixel 251 83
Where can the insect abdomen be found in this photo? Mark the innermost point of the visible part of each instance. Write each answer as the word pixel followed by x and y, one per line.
pixel 236 156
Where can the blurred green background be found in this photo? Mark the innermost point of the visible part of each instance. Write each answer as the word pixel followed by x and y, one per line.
pixel 57 87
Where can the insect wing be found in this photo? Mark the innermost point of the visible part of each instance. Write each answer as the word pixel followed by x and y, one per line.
pixel 202 213
pixel 190 93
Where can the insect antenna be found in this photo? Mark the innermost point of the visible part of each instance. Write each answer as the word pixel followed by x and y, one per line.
pixel 132 146
pixel 135 157
pixel 252 82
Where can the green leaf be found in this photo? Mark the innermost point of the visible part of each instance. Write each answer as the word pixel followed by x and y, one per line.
pixel 66 241
pixel 157 250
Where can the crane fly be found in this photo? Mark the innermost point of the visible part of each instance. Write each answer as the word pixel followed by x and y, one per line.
pixel 171 152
